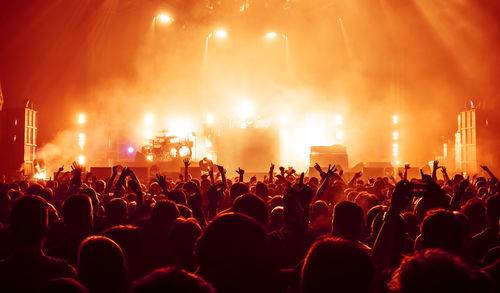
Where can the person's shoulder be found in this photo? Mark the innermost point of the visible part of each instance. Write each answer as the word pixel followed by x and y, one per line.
pixel 59 265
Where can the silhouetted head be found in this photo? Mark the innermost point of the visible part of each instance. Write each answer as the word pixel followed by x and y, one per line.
pixel 77 214
pixel 262 191
pixel 442 229
pixel 236 190
pixel 276 201
pixel 29 220
pixel 253 206
pixel 190 187
pixel 184 211
pixel 171 279
pixel 347 221
pixel 276 219
pixel 233 254
pixel 182 238
pixel 493 208
pixel 66 285
pixel 319 208
pixel 116 211
pixel 335 265
pixel 101 265
pixel 178 196
pixel 432 271
pixel 94 198
pixel 129 239
pixel 164 213
pixel 99 186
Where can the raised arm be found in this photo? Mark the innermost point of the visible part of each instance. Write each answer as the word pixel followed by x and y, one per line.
pixel 326 182
pixel 187 162
pixel 435 167
pixel 457 196
pixel 385 244
pixel 485 168
pixel 111 179
pixel 271 173
pixel 241 172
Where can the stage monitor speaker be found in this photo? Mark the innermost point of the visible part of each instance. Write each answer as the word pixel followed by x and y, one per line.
pixel 142 173
pixel 101 172
pixel 195 172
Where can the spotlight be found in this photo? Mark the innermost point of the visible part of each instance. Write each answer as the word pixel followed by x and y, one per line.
pixel 149 157
pixel 395 119
pixel 338 119
pixel 81 160
pixel 130 150
pixel 221 34
pixel 163 18
pixel 271 35
pixel 340 134
pixel 184 151
pixel 81 119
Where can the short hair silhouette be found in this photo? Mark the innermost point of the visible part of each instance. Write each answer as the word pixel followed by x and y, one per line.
pixel 432 271
pixel 101 265
pixel 77 213
pixel 233 254
pixel 29 220
pixel 171 279
pixel 253 206
pixel 347 221
pixel 236 190
pixel 66 285
pixel 442 229
pixel 336 265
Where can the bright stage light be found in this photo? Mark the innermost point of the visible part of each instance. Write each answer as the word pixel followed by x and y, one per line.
pixel 271 35
pixel 210 119
pixel 81 140
pixel 173 152
pixel 149 157
pixel 81 160
pixel 208 144
pixel 164 18
pixel 340 134
pixel 395 119
pixel 40 175
pixel 221 34
pixel 184 151
pixel 395 135
pixel 130 150
pixel 246 110
pixel 210 157
pixel 148 119
pixel 81 119
pixel 338 119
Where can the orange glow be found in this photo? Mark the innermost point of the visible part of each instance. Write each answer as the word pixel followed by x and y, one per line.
pixel 221 34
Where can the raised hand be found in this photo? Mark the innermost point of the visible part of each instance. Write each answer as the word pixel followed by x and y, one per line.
pixel 187 162
pixel 162 181
pixel 271 173
pixel 60 169
pixel 115 169
pixel 301 182
pixel 241 172
pixel 221 169
pixel 400 197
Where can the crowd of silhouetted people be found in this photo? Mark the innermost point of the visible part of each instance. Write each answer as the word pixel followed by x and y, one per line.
pixel 287 233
